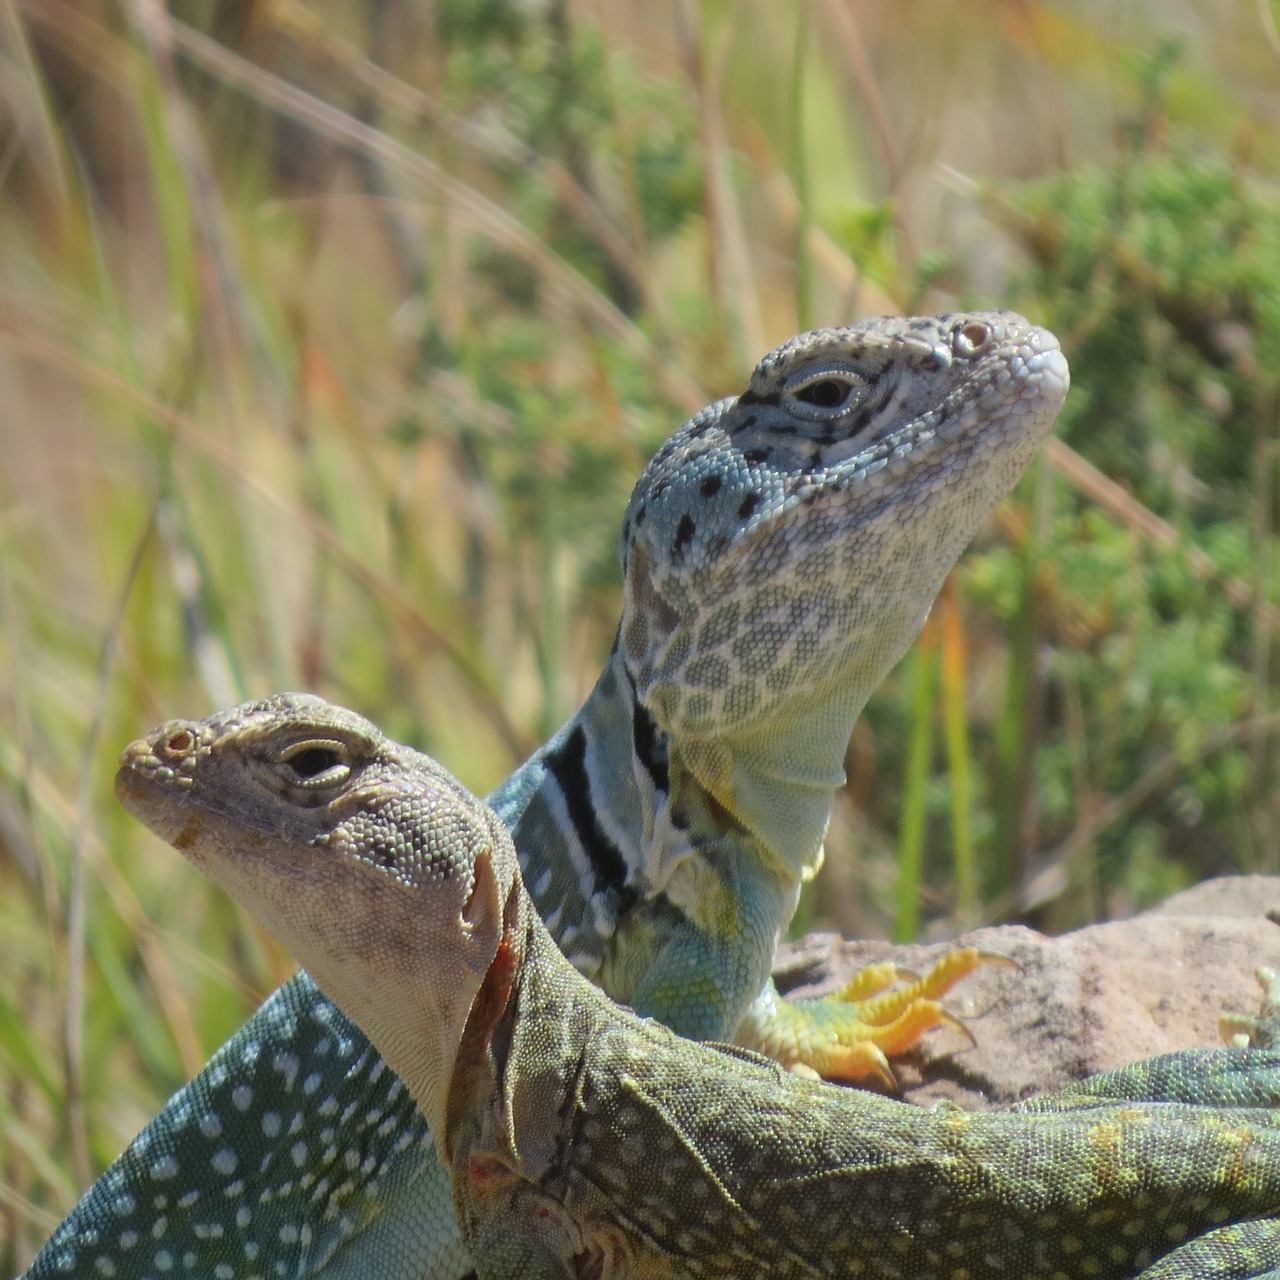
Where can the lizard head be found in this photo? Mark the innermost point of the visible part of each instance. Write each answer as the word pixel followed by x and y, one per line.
pixel 810 521
pixel 783 548
pixel 368 861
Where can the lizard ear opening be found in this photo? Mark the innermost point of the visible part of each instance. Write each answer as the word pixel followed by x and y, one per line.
pixel 485 917
pixel 482 910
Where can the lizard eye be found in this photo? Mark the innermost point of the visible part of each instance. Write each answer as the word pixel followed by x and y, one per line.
pixel 826 394
pixel 317 762
pixel 826 390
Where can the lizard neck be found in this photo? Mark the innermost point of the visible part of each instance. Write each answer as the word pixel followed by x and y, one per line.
pixel 776 778
pixel 774 770
pixel 636 809
pixel 777 787
pixel 586 813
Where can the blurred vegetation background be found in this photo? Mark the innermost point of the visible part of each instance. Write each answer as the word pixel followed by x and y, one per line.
pixel 334 334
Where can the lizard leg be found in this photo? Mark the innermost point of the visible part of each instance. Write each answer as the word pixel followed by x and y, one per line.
pixel 871 981
pixel 824 1036
pixel 504 1256
pixel 517 1232
pixel 851 1034
pixel 706 961
pixel 692 985
pixel 1241 1251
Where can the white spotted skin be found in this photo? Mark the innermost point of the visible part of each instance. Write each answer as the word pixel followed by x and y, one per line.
pixel 257 1169
pixel 683 922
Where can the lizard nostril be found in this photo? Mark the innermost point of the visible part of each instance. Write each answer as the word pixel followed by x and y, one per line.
pixel 180 742
pixel 972 340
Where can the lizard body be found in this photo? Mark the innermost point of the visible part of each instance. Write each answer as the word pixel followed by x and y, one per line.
pixel 585 1142
pixel 779 553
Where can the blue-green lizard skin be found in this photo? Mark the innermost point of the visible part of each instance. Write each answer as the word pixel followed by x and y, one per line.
pixel 585 1142
pixel 779 552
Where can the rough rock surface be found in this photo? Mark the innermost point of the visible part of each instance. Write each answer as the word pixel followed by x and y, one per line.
pixel 1095 999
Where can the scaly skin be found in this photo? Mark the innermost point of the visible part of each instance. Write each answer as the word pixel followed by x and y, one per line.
pixel 779 554
pixel 586 1142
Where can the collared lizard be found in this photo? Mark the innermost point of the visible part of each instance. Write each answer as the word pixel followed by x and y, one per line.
pixel 584 1141
pixel 779 554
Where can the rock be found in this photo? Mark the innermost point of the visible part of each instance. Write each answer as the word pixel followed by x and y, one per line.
pixel 1226 896
pixel 1090 1001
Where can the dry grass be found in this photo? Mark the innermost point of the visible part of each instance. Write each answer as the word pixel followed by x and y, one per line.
pixel 331 342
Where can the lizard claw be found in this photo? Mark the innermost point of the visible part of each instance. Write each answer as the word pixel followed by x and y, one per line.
pixel 883 1009
pixel 851 1035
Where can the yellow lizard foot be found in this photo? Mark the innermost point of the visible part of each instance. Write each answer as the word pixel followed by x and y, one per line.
pixel 879 1007
pixel 857 1051
pixel 851 1034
